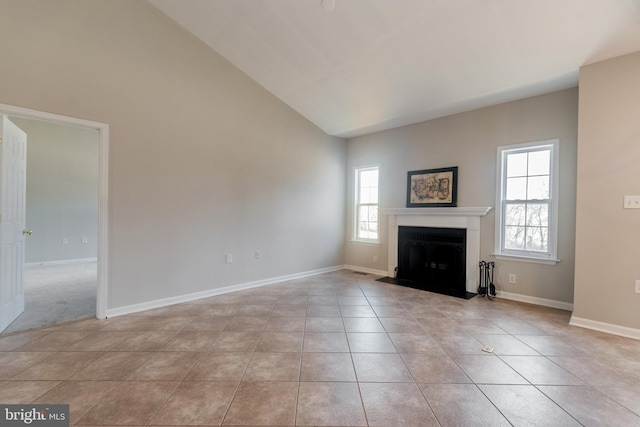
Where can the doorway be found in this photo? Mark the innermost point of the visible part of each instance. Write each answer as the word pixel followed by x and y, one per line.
pixel 73 253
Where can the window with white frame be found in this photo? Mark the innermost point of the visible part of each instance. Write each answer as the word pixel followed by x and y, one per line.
pixel 527 201
pixel 366 212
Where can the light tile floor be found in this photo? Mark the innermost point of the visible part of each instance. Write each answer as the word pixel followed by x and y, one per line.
pixel 337 349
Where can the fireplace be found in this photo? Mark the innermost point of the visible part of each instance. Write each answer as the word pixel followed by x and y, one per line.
pixel 433 259
pixel 467 219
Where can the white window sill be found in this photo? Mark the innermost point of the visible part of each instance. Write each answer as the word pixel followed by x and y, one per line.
pixel 523 258
pixel 367 242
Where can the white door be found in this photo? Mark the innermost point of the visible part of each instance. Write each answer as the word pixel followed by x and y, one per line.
pixel 13 186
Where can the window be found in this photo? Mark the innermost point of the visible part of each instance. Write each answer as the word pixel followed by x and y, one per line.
pixel 527 201
pixel 366 227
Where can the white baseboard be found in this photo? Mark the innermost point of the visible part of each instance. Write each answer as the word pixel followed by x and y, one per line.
pixel 61 262
pixel 605 327
pixel 366 270
pixel 535 300
pixel 135 308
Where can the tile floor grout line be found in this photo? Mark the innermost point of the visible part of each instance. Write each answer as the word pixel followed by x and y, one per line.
pixel 166 399
pixel 295 409
pixel 226 414
pixel 97 403
pixel 355 372
pixel 493 404
pixel 556 403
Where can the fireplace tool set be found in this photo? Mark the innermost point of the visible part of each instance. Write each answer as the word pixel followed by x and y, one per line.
pixel 486 286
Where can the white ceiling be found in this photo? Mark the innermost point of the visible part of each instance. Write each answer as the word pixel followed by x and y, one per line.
pixel 371 65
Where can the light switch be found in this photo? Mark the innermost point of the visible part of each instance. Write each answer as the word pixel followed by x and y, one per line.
pixel 632 202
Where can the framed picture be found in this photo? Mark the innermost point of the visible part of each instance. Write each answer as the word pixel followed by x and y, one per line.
pixel 432 188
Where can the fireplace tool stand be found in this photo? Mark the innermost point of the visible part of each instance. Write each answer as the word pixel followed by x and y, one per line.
pixel 486 286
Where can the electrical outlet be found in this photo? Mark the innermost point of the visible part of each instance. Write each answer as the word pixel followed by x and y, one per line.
pixel 65 241
pixel 512 278
pixel 637 286
pixel 258 254
pixel 375 258
pixel 229 258
pixel 83 240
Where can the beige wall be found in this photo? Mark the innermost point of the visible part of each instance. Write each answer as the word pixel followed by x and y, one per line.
pixel 608 236
pixel 470 141
pixel 62 191
pixel 203 161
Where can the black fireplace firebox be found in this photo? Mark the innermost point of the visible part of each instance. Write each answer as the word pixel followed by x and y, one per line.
pixel 433 259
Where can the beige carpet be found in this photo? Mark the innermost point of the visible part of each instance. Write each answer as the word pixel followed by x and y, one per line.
pixel 57 293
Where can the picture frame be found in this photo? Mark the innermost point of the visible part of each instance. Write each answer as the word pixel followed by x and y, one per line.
pixel 432 188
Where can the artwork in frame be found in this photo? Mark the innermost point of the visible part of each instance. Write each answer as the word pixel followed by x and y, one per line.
pixel 432 188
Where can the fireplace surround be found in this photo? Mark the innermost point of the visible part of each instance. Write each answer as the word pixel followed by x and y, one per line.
pixel 454 218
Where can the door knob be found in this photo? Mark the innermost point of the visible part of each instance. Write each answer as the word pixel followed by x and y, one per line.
pixel 29 232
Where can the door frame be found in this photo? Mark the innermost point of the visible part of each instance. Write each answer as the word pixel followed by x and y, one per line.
pixel 102 292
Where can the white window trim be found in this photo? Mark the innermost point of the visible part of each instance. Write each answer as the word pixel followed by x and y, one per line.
pixel 550 258
pixel 356 187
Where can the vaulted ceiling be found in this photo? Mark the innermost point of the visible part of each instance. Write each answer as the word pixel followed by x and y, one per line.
pixel 358 66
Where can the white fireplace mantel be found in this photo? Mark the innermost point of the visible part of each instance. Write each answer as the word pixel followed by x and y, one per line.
pixel 467 218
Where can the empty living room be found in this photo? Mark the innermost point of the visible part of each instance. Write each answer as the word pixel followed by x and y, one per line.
pixel 321 212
